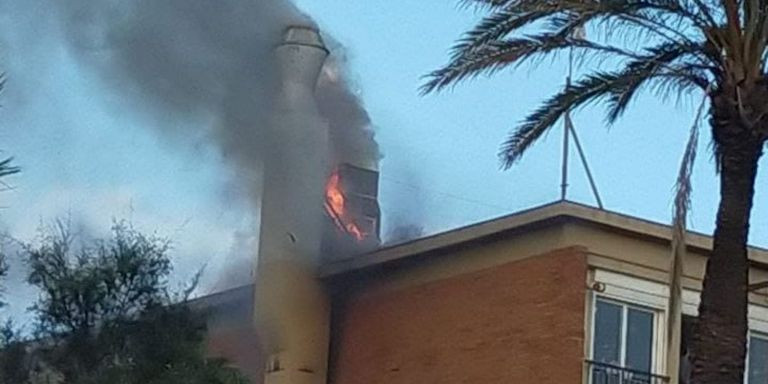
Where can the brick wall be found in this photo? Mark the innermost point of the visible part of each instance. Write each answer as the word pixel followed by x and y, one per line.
pixel 522 322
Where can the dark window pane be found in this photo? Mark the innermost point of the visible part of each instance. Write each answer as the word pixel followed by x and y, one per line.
pixel 639 339
pixel 758 361
pixel 607 344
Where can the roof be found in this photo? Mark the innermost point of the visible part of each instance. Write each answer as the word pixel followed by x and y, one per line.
pixel 231 307
pixel 544 215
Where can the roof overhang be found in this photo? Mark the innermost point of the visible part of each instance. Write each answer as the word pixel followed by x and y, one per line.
pixel 550 214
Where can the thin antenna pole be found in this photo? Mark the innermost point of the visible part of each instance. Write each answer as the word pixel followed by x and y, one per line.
pixel 564 175
pixel 568 130
pixel 566 133
pixel 592 185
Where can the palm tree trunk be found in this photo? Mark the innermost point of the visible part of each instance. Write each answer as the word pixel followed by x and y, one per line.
pixel 719 345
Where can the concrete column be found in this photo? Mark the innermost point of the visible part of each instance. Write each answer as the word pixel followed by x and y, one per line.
pixel 291 306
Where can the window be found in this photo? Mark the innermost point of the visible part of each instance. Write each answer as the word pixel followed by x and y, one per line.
pixel 623 335
pixel 622 343
pixel 757 359
pixel 628 323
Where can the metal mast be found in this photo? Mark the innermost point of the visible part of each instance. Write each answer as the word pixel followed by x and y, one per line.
pixel 569 130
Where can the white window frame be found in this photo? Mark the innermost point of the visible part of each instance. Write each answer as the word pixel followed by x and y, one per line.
pixel 638 293
pixel 654 295
pixel 625 307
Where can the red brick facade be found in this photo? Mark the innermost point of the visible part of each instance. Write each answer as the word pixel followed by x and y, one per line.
pixel 521 322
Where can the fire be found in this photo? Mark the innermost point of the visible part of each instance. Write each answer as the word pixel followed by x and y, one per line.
pixel 336 208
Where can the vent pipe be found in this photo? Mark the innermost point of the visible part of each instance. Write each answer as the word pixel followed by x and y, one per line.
pixel 291 310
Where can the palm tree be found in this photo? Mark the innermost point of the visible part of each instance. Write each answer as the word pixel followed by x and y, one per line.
pixel 672 47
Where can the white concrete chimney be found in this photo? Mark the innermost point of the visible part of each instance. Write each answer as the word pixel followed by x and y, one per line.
pixel 292 309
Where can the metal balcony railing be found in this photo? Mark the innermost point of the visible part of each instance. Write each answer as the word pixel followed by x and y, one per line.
pixel 602 373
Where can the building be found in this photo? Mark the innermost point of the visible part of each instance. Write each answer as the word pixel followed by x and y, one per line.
pixel 562 293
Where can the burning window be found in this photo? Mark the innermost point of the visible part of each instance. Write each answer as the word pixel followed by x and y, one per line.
pixel 350 201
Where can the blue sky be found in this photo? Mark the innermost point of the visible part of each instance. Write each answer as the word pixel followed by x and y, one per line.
pixel 84 155
pixel 445 145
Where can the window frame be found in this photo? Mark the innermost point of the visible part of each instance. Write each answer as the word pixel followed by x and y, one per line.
pixel 644 293
pixel 750 334
pixel 625 307
pixel 637 293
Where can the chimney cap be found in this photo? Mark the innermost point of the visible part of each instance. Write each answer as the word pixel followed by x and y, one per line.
pixel 303 35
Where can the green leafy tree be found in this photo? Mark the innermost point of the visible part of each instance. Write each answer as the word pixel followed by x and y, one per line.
pixel 106 314
pixel 15 364
pixel 12 350
pixel 672 47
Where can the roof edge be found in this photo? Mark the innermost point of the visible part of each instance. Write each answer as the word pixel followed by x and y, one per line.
pixel 537 215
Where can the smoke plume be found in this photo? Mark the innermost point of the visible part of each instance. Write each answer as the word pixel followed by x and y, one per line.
pixel 351 135
pixel 195 60
pixel 203 72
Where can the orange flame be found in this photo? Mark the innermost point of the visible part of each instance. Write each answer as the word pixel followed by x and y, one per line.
pixel 335 206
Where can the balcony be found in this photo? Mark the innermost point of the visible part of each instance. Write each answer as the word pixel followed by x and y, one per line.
pixel 602 373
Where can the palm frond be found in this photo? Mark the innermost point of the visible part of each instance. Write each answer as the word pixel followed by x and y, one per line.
pixel 496 55
pixel 706 13
pixel 667 85
pixel 617 88
pixel 493 28
pixel 589 89
pixel 563 16
pixel 491 45
pixel 490 58
pixel 7 168
pixel 676 48
pixel 683 188
pixel 484 4
pixel 657 66
pixel 754 34
pixel 682 204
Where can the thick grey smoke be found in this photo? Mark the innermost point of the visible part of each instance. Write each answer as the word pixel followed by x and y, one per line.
pixel 187 60
pixel 340 105
pixel 204 72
